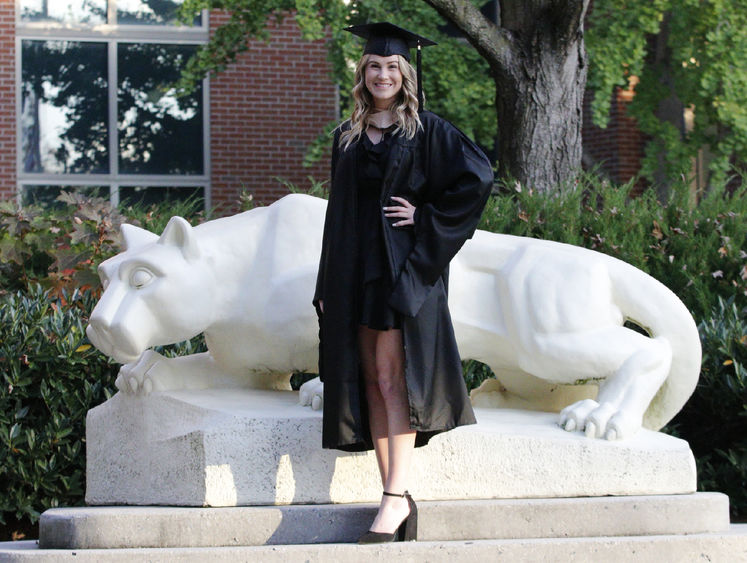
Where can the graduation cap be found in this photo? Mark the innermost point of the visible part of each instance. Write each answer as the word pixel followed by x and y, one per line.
pixel 386 39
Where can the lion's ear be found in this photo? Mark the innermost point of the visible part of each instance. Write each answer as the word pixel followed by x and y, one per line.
pixel 179 233
pixel 134 237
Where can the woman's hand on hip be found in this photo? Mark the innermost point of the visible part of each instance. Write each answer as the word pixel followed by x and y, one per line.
pixel 405 211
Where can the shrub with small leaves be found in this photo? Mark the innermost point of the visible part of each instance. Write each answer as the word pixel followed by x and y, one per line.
pixel 714 421
pixel 51 376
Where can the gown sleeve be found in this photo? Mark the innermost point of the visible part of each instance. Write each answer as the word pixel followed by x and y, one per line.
pixel 318 293
pixel 459 178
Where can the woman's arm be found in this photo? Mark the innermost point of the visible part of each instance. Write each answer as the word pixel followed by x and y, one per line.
pixel 318 293
pixel 459 178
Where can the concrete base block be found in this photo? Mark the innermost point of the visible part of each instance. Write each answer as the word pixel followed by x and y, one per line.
pixel 242 447
pixel 172 527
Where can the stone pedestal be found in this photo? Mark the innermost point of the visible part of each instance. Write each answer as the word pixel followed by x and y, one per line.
pixel 241 448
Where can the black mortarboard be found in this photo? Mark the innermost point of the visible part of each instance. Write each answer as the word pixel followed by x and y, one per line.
pixel 386 39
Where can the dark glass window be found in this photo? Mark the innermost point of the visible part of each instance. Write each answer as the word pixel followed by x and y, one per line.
pixel 47 195
pixel 145 195
pixel 158 132
pixel 90 12
pixel 149 12
pixel 64 107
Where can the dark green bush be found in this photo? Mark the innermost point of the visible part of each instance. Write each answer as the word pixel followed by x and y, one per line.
pixel 51 376
pixel 714 421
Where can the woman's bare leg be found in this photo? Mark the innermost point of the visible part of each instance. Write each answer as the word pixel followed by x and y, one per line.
pixel 389 393
pixel 377 418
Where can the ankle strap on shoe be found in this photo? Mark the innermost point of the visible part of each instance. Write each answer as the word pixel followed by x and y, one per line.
pixel 395 494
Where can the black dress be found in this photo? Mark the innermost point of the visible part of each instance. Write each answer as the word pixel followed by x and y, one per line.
pixel 374 278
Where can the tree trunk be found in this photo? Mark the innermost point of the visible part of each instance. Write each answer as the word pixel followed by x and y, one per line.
pixel 539 111
pixel 670 109
pixel 538 62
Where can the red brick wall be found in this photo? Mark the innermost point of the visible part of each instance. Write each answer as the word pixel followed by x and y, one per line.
pixel 618 149
pixel 7 101
pixel 264 111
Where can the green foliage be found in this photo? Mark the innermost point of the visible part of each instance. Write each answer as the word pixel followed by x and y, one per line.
pixel 58 247
pixel 51 376
pixel 453 74
pixel 317 188
pixel 715 419
pixel 700 62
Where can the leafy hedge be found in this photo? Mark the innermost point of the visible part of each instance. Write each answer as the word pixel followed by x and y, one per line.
pixel 51 376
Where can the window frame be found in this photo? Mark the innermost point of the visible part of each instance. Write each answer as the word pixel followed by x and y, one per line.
pixel 111 35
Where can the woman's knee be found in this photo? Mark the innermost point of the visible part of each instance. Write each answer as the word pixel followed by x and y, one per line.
pixel 391 381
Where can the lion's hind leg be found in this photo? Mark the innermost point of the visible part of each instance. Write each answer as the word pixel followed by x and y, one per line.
pixel 624 395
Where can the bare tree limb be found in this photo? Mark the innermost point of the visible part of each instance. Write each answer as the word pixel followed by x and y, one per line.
pixel 494 43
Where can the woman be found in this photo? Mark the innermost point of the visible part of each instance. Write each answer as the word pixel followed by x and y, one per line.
pixel 407 189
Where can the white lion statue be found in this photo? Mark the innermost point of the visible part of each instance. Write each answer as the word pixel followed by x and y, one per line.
pixel 546 317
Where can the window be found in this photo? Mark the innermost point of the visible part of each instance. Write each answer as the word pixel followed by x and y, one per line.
pixel 96 110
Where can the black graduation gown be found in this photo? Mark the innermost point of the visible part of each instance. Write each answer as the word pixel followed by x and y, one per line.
pixel 448 178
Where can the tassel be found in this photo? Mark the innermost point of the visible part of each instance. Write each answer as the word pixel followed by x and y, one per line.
pixel 420 82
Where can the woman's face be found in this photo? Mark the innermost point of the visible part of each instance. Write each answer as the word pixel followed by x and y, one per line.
pixel 383 79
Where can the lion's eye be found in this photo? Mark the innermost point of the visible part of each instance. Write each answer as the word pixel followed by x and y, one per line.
pixel 140 278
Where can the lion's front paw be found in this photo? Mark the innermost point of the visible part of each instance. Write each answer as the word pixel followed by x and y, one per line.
pixel 312 393
pixel 135 378
pixel 597 420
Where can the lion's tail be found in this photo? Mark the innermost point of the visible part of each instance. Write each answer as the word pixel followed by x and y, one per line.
pixel 654 307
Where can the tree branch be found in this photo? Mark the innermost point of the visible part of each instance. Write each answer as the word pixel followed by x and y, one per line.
pixel 494 43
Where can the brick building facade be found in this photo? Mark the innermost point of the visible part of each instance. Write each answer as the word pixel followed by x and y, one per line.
pixel 265 110
pixel 7 100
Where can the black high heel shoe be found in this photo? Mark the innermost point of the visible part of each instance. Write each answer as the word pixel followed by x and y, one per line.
pixel 406 531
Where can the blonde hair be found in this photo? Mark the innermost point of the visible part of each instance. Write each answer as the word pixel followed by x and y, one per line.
pixel 404 108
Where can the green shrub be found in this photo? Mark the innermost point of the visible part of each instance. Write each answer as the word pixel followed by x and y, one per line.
pixel 60 246
pixel 57 247
pixel 51 376
pixel 714 420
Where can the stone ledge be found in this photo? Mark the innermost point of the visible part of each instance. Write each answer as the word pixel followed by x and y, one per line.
pixel 721 547
pixel 248 448
pixel 172 527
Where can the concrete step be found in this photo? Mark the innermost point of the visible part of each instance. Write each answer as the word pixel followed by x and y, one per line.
pixel 177 527
pixel 729 546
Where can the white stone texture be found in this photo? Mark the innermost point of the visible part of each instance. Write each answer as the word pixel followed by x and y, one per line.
pixel 225 447
pixel 546 317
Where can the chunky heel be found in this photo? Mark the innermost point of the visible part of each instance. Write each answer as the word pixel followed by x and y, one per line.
pixel 411 522
pixel 406 531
